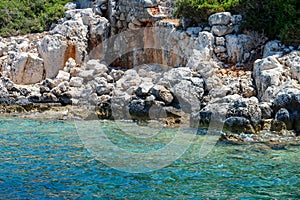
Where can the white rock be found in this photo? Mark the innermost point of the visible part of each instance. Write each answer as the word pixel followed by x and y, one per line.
pixel 292 60
pixel 27 69
pixel 96 66
pixel 87 74
pixel 267 73
pixel 52 49
pixel 2 46
pixel 220 41
pixel 63 76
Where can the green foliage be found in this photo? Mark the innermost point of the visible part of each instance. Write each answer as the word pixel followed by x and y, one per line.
pixel 29 16
pixel 277 19
pixel 199 10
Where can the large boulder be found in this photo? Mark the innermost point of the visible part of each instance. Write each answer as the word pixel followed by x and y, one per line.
pixel 274 74
pixel 236 113
pixel 52 49
pixel 162 94
pixel 27 68
pixel 287 108
pixel 267 73
pixel 237 47
pixel 273 47
pixel 292 61
pixel 69 39
pixel 224 23
pixel 223 18
pixel 186 88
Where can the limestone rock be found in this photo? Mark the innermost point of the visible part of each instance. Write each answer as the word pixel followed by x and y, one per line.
pixel 162 93
pixel 292 61
pixel 144 89
pixel 2 46
pixel 273 47
pixel 52 49
pixel 87 74
pixel 237 46
pixel 221 30
pixel 3 90
pixel 63 76
pixel 283 115
pixel 223 18
pixel 27 69
pixel 129 79
pixel 96 66
pixel 139 109
pixel 76 82
pixel 267 73
pixel 266 110
pixel 238 125
pixel 188 95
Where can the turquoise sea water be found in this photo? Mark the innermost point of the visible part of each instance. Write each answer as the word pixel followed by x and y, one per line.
pixel 48 160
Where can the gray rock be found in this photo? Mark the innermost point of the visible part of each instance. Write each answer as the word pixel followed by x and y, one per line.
pixel 48 98
pixel 223 18
pixel 220 41
pixel 289 99
pixel 221 30
pixel 273 47
pixel 71 5
pixel 65 98
pixel 188 95
pixel 238 125
pixel 139 109
pixel 48 83
pixel 23 101
pixel 103 90
pixel 267 73
pixel 277 126
pixel 96 66
pixel 162 93
pixel 63 76
pixel 283 115
pixel 76 82
pixel 44 89
pixel 237 46
pixel 52 49
pixel 116 74
pixel 87 75
pixel 292 61
pixel 220 49
pixel 266 110
pixel 193 31
pixel 2 47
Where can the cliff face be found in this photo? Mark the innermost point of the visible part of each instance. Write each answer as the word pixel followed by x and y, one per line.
pixel 123 58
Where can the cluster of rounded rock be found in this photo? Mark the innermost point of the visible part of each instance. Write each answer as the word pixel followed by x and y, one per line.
pixel 49 68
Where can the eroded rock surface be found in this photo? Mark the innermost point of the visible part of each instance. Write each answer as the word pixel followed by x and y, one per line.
pixel 132 60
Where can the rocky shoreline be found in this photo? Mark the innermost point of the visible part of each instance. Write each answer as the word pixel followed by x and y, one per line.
pixel 133 61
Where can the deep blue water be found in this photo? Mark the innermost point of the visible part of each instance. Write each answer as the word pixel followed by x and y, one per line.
pixel 48 160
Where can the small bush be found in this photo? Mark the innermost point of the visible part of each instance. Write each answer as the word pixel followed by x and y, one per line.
pixel 277 19
pixel 29 16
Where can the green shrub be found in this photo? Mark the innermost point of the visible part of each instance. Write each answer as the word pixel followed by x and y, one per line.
pixel 277 19
pixel 29 16
pixel 199 10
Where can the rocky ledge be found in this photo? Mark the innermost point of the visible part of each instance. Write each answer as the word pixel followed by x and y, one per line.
pixel 165 71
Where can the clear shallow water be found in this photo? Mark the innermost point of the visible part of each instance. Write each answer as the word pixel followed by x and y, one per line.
pixel 47 160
